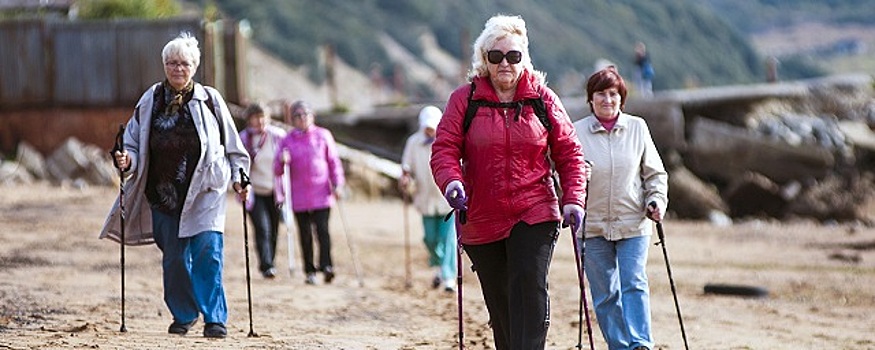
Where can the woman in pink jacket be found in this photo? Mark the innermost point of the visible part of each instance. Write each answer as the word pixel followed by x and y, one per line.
pixel 497 172
pixel 316 176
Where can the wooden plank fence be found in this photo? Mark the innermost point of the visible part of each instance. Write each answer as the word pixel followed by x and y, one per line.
pixel 63 64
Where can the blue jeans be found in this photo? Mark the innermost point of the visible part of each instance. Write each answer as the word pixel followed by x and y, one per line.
pixel 440 241
pixel 617 276
pixel 192 271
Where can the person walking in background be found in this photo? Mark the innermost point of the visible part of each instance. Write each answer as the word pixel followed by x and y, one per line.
pixel 628 184
pixel 316 180
pixel 440 235
pixel 262 140
pixel 181 150
pixel 497 170
pixel 644 71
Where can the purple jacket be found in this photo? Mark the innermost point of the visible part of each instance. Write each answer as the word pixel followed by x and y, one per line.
pixel 315 168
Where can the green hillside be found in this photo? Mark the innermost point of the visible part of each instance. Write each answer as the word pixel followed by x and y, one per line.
pixel 689 43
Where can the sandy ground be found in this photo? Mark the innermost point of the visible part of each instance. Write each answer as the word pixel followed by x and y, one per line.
pixel 60 286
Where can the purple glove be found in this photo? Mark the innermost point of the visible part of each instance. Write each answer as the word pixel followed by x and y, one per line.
pixel 572 214
pixel 455 195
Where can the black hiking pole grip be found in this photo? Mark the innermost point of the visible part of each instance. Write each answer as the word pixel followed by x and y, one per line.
pixel 674 292
pixel 119 147
pixel 244 182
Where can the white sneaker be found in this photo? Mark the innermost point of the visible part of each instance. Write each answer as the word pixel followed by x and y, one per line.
pixel 450 285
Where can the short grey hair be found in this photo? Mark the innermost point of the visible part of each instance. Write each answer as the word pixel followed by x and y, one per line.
pixel 185 46
pixel 300 105
pixel 496 28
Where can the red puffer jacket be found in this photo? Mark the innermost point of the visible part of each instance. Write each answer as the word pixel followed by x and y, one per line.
pixel 503 161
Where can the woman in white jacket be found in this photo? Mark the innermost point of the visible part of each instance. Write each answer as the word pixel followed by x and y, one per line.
pixel 181 151
pixel 627 186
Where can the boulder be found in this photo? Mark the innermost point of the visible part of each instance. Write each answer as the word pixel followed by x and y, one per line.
pixel 32 160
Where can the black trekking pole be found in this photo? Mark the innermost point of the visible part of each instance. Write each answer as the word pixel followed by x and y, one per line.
pixel 674 292
pixel 579 255
pixel 459 221
pixel 120 147
pixel 244 182
pixel 462 217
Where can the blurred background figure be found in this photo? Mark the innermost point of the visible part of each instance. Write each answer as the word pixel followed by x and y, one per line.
pixel 644 71
pixel 417 180
pixel 316 181
pixel 262 140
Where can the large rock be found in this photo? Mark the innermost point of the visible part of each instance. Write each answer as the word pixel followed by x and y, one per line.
pixel 722 151
pixel 692 198
pixel 67 162
pixel 75 161
pixel 32 160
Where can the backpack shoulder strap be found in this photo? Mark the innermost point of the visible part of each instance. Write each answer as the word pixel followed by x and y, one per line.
pixel 540 109
pixel 471 110
pixel 212 107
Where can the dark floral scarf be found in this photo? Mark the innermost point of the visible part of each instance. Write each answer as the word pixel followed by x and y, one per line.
pixel 177 98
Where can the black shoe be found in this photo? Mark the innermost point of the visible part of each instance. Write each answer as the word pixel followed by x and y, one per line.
pixel 180 328
pixel 436 282
pixel 215 330
pixel 329 274
pixel 311 278
pixel 269 273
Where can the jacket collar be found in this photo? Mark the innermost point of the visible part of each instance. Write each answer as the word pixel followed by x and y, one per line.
pixel 200 93
pixel 595 125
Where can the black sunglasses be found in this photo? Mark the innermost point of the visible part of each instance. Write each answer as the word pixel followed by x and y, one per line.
pixel 495 56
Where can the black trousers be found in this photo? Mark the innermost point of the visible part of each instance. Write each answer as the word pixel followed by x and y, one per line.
pixel 513 278
pixel 307 221
pixel 265 217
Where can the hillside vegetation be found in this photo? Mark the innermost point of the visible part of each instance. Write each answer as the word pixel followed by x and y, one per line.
pixel 689 43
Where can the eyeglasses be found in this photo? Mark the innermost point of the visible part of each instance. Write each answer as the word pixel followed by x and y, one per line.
pixel 495 56
pixel 178 64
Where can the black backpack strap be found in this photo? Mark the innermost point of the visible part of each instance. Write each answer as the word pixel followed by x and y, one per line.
pixel 540 109
pixel 471 110
pixel 537 104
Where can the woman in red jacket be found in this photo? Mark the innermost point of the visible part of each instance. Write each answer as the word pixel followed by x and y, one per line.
pixel 497 170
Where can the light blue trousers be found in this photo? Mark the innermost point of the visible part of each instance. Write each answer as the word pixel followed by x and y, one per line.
pixel 440 241
pixel 616 271
pixel 192 271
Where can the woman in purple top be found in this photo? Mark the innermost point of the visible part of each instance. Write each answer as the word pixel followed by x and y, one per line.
pixel 316 177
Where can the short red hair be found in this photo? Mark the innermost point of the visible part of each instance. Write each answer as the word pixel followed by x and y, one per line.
pixel 605 79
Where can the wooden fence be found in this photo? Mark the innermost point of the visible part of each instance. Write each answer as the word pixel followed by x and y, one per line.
pixel 53 63
pixel 61 79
